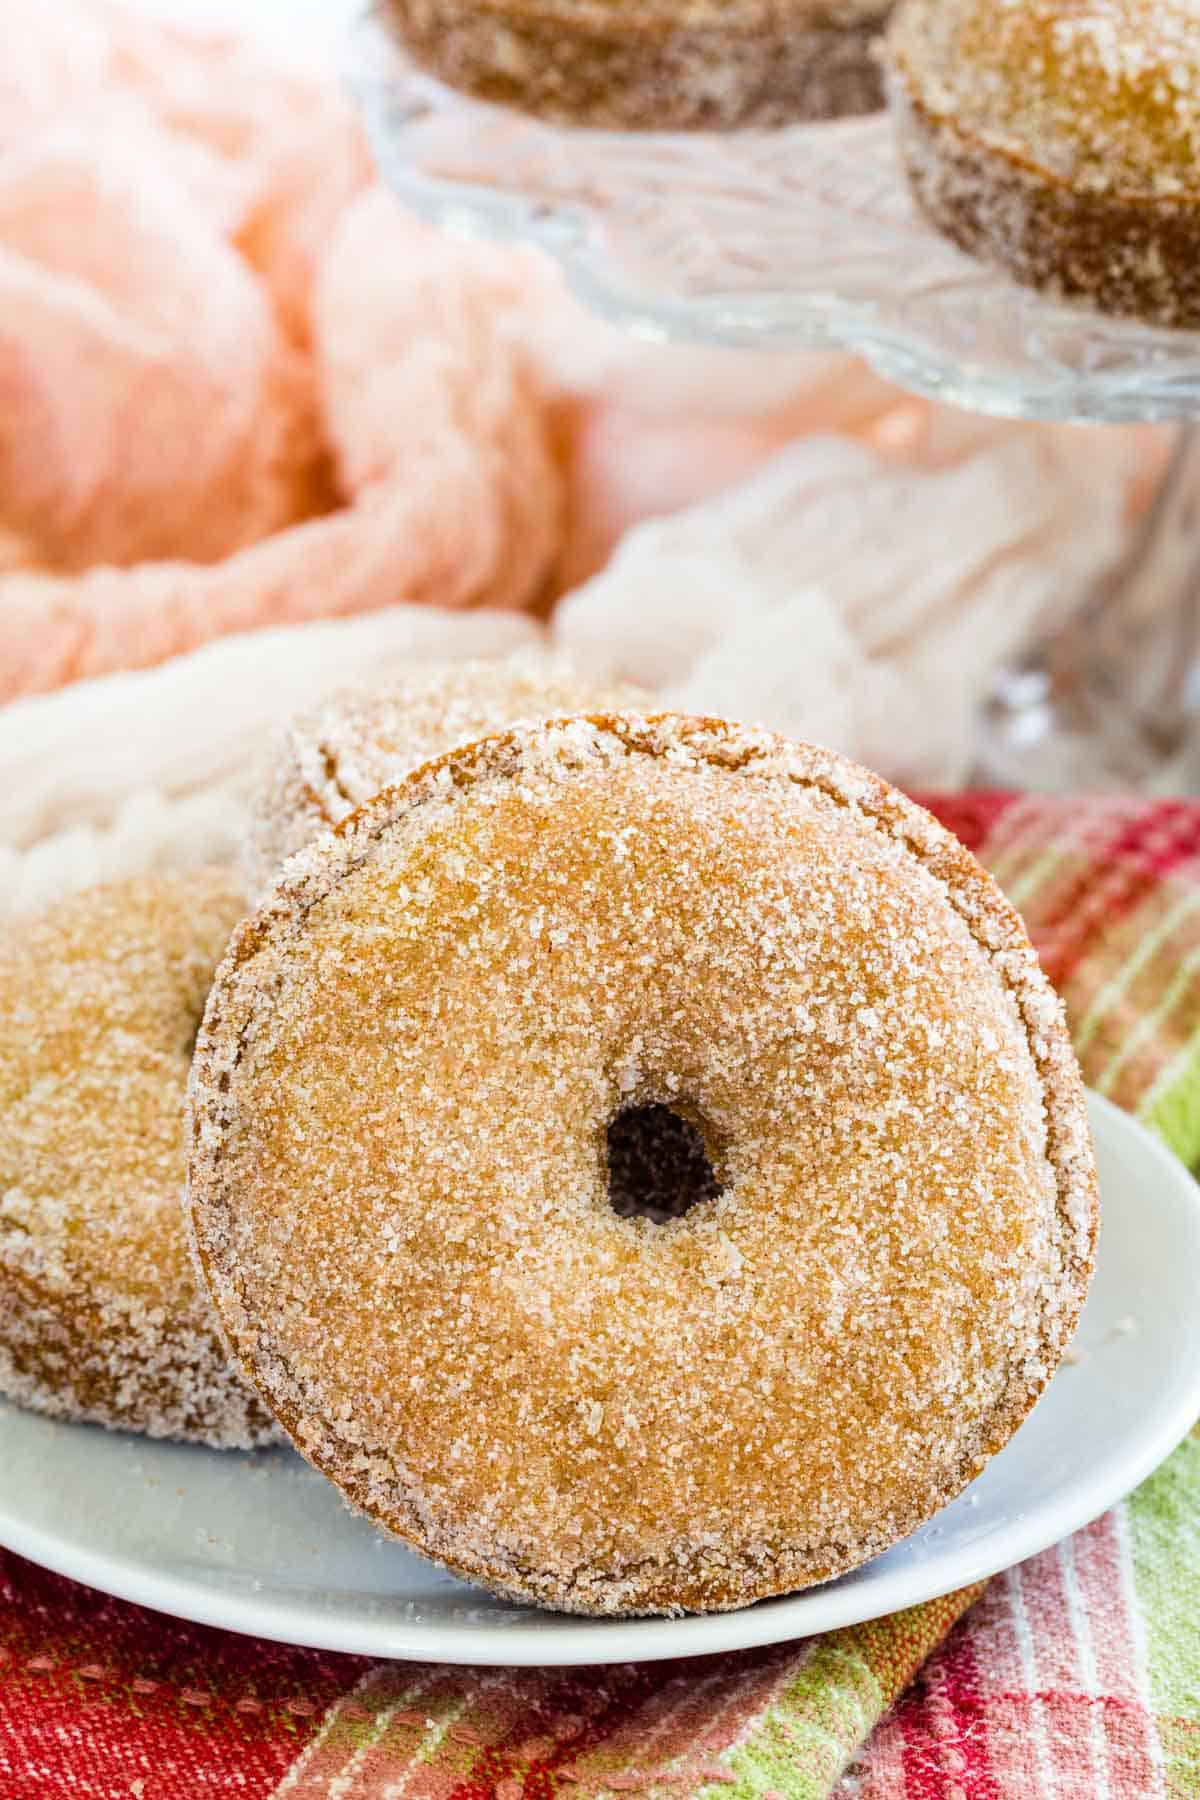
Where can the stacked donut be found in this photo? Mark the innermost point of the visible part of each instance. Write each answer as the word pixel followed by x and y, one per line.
pixel 101 1317
pixel 638 1160
pixel 1060 140
pixel 654 64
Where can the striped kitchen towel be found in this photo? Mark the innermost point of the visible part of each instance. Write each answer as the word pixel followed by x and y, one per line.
pixel 1076 1675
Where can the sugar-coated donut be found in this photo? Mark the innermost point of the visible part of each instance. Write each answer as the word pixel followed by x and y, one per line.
pixel 1060 139
pixel 657 65
pixel 332 759
pixel 414 1063
pixel 101 1317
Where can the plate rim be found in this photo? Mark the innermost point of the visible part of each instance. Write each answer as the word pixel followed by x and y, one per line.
pixel 583 1641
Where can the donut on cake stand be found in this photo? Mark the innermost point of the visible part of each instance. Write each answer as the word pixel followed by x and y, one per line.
pixel 809 236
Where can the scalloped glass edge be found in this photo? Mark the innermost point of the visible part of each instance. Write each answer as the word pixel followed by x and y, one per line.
pixel 785 240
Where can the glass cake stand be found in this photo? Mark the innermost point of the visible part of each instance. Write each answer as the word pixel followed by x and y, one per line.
pixel 807 237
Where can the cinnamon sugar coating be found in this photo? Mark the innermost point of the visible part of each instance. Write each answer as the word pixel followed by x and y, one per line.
pixel 1061 140
pixel 659 65
pixel 101 1317
pixel 331 760
pixel 400 1099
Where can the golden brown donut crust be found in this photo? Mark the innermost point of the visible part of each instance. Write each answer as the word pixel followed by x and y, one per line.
pixel 332 760
pixel 1059 140
pixel 658 65
pixel 399 1099
pixel 101 1317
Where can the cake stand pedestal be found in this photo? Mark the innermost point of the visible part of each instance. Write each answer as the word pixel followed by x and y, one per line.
pixel 807 238
pixel 1116 692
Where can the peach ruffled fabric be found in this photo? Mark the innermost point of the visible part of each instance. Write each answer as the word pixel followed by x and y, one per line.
pixel 237 386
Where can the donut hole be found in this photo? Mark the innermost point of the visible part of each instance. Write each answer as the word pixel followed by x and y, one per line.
pixel 658 1164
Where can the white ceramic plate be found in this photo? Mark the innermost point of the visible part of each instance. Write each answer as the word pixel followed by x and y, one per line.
pixel 260 1543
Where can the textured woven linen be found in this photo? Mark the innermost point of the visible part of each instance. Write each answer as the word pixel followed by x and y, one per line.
pixel 1074 1676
